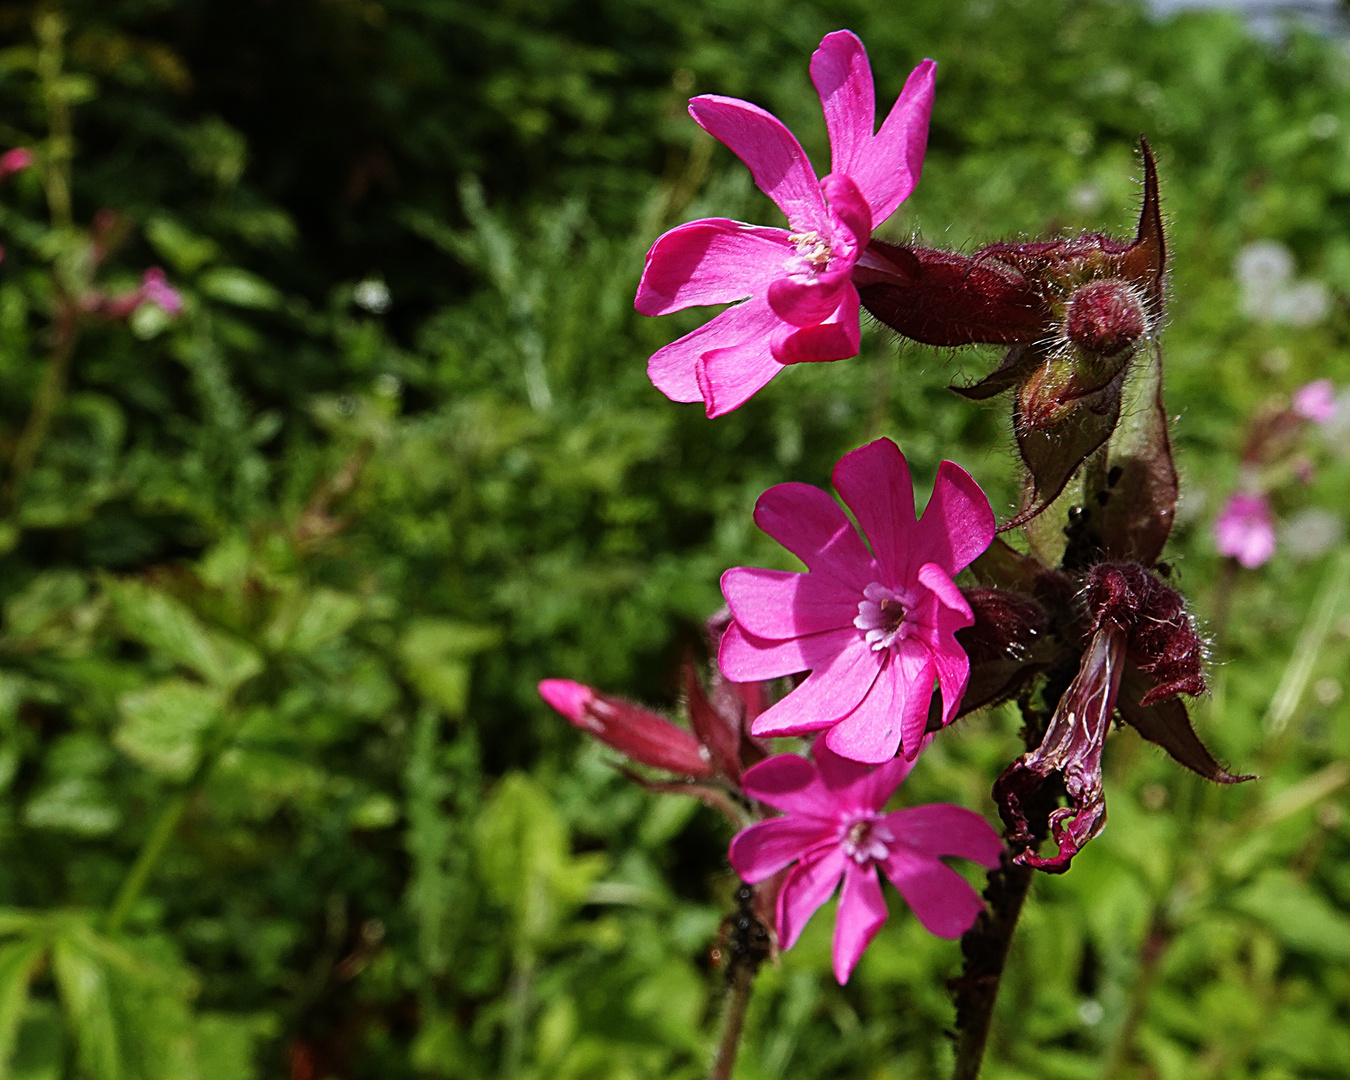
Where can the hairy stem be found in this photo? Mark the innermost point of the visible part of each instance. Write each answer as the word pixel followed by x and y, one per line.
pixel 748 945
pixel 742 981
pixel 985 948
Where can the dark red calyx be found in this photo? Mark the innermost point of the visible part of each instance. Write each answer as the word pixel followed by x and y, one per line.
pixel 1161 636
pixel 1105 317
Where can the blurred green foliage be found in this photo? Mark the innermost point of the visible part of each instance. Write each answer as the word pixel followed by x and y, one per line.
pixel 277 797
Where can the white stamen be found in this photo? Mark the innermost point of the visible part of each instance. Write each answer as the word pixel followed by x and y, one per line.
pixel 812 248
pixel 881 616
pixel 864 840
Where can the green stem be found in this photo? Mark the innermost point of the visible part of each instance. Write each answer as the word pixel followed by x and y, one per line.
pixel 50 393
pixel 152 850
pixel 49 27
pixel 1156 941
pixel 748 946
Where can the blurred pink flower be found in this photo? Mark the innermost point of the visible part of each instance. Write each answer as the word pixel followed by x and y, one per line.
pixel 16 160
pixel 800 302
pixel 835 828
pixel 874 628
pixel 1245 531
pixel 155 289
pixel 1316 401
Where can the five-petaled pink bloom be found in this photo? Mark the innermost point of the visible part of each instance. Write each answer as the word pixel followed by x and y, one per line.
pixel 1316 401
pixel 835 827
pixel 1245 531
pixel 800 303
pixel 874 628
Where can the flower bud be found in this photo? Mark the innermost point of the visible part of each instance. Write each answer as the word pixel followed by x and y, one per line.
pixel 1105 317
pixel 630 729
pixel 16 160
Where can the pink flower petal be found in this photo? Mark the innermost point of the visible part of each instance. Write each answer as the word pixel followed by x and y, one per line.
pixel 812 526
pixel 894 159
pixel 862 911
pixel 893 714
pixel 856 786
pixel 776 604
pixel 805 890
pixel 828 693
pixel 1316 401
pixel 957 524
pixel 940 897
pixel 713 261
pixel 836 338
pixel 673 369
pixel 851 208
pixel 771 152
pixel 743 657
pixel 940 829
pixel 808 299
pixel 728 378
pixel 763 849
pixel 843 79
pixel 949 659
pixel 1245 530
pixel 874 481
pixel 790 783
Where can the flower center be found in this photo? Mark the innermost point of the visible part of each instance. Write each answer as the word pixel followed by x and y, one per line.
pixel 881 615
pixel 864 840
pixel 812 248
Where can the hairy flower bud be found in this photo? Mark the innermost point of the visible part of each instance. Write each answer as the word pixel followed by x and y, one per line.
pixel 1106 317
pixel 1161 636
pixel 630 729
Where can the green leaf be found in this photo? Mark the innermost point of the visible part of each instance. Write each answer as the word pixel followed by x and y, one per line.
pixel 19 962
pixel 73 804
pixel 524 857
pixel 162 725
pixel 434 655
pixel 306 620
pixel 183 249
pixel 1299 917
pixel 85 995
pixel 239 287
pixel 165 623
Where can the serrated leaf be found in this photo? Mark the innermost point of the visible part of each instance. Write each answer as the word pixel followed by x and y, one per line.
pixel 162 725
pixel 165 623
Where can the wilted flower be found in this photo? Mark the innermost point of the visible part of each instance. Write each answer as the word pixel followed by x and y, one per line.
pixel 835 828
pixel 1142 651
pixel 1245 530
pixel 874 628
pixel 1316 401
pixel 800 303
pixel 16 160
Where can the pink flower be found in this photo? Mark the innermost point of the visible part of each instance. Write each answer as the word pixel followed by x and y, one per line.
pixel 1316 401
pixel 800 302
pixel 16 160
pixel 155 289
pixel 874 628
pixel 1245 531
pixel 834 827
